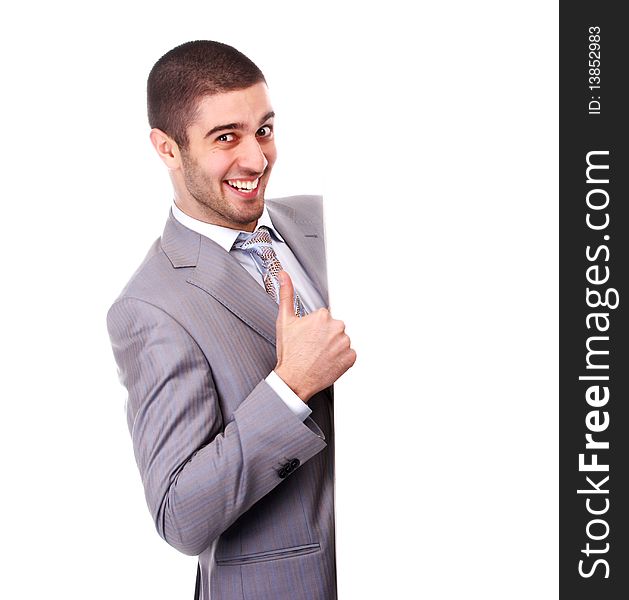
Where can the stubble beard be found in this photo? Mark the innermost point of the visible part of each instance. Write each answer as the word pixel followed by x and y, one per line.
pixel 212 203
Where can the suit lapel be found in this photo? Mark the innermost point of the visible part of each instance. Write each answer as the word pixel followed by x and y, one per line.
pixel 220 275
pixel 304 235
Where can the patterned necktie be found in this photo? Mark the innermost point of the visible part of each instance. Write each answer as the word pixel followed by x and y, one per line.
pixel 258 244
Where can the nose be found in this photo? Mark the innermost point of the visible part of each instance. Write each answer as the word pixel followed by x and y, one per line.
pixel 251 157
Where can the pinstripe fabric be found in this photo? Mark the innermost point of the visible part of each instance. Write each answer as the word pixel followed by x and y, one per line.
pixel 194 337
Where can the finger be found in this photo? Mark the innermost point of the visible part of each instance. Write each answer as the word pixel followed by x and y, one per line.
pixel 287 296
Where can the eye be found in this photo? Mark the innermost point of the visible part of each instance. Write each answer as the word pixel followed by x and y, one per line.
pixel 225 137
pixel 265 131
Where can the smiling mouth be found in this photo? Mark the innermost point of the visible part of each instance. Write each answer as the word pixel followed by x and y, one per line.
pixel 243 186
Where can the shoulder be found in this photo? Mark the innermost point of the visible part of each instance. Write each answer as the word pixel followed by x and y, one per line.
pixel 149 270
pixel 306 207
pixel 155 282
pixel 165 264
pixel 150 299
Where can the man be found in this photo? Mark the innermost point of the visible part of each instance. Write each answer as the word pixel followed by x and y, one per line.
pixel 228 360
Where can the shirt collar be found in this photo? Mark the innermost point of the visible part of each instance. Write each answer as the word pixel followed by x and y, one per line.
pixel 223 236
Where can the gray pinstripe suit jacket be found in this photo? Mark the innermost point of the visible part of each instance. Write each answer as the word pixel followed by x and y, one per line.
pixel 194 338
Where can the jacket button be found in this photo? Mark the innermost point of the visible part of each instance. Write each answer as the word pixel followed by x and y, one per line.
pixel 282 472
pixel 294 464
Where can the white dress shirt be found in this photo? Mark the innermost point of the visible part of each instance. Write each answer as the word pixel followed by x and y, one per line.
pixel 310 297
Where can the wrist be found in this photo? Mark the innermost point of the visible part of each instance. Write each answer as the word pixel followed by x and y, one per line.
pixel 298 388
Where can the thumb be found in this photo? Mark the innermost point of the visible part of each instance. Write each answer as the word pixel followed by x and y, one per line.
pixel 287 295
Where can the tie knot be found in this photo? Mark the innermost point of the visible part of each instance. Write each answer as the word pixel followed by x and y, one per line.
pixel 258 242
pixel 261 236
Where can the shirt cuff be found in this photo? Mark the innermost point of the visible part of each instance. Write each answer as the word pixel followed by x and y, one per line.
pixel 290 398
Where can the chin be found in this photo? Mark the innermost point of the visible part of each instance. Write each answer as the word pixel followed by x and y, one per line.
pixel 246 218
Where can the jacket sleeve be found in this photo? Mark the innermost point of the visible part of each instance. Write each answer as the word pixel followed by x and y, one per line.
pixel 199 473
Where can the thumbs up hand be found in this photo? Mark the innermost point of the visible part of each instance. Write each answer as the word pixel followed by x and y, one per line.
pixel 312 351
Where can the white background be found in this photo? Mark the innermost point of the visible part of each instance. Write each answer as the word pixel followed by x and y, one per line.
pixel 432 132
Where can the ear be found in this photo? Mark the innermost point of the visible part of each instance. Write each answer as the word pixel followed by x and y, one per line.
pixel 166 148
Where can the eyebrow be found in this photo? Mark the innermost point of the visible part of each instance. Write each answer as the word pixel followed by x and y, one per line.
pixel 230 126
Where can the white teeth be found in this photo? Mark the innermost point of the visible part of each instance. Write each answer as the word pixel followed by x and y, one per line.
pixel 243 185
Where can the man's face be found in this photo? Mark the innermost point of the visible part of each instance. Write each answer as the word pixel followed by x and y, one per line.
pixel 229 158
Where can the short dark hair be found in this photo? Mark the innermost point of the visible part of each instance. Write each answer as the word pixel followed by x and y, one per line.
pixel 187 73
